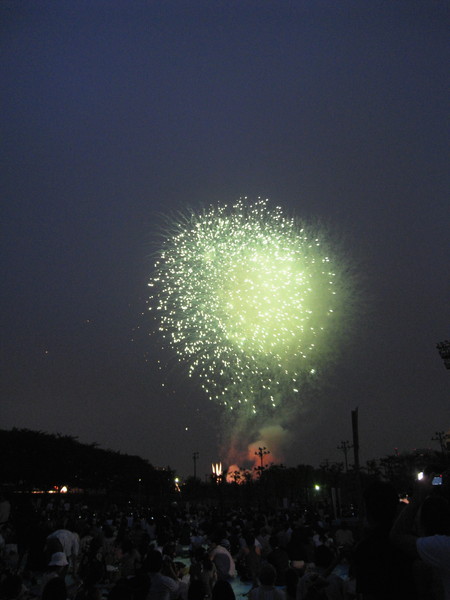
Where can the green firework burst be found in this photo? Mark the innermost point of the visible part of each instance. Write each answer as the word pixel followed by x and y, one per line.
pixel 248 298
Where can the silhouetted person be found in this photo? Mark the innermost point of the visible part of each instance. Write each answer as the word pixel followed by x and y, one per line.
pixel 12 588
pixel 5 510
pixel 430 543
pixel 381 570
pixel 223 591
pixel 344 536
pixel 300 547
pixel 55 590
pixel 279 559
pixel 292 578
pixel 267 590
pixel 162 587
pixel 56 569
pixel 197 590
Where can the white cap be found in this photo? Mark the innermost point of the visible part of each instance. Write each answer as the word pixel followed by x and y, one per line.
pixel 58 559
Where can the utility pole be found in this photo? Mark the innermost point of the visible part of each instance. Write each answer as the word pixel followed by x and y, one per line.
pixel 325 465
pixel 262 452
pixel 194 458
pixel 355 430
pixel 442 438
pixel 345 447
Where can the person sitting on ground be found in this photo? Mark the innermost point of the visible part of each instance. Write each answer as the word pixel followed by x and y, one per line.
pixel 262 541
pixel 67 541
pixel 292 578
pixel 196 590
pixel 55 590
pixel 55 570
pixel 130 558
pixel 278 558
pixel 203 569
pixel 300 547
pixel 344 536
pixel 162 587
pixel 13 588
pixel 223 591
pixel 5 510
pixel 92 568
pixel 319 581
pixel 267 590
pixel 88 592
pixel 197 540
pixel 223 560
pixel 251 558
pixel 121 591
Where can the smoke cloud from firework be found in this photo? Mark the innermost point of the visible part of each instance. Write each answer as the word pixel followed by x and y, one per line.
pixel 273 438
pixel 252 302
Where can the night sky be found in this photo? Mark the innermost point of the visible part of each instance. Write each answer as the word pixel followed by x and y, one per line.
pixel 117 114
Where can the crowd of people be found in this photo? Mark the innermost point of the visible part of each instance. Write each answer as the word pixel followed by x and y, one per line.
pixel 63 550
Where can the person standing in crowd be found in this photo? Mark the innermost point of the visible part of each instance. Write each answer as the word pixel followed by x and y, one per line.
pixel 381 571
pixel 431 541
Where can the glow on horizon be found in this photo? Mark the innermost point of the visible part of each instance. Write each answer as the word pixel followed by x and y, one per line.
pixel 247 298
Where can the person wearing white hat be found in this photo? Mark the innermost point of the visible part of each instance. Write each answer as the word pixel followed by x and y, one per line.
pixel 58 559
pixel 56 568
pixel 69 542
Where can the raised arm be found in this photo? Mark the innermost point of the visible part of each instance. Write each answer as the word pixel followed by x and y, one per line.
pixel 403 531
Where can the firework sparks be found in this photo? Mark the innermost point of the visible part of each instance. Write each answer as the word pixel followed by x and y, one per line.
pixel 216 469
pixel 247 297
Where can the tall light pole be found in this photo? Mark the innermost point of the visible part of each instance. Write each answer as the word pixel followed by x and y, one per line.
pixel 194 458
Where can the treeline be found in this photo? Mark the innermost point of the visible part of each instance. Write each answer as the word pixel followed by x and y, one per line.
pixel 35 460
pixel 330 483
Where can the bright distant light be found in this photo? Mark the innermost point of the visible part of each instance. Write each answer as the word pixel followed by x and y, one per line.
pixel 420 475
pixel 248 298
pixel 217 469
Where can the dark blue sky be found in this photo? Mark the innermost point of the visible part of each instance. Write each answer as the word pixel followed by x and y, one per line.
pixel 115 113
